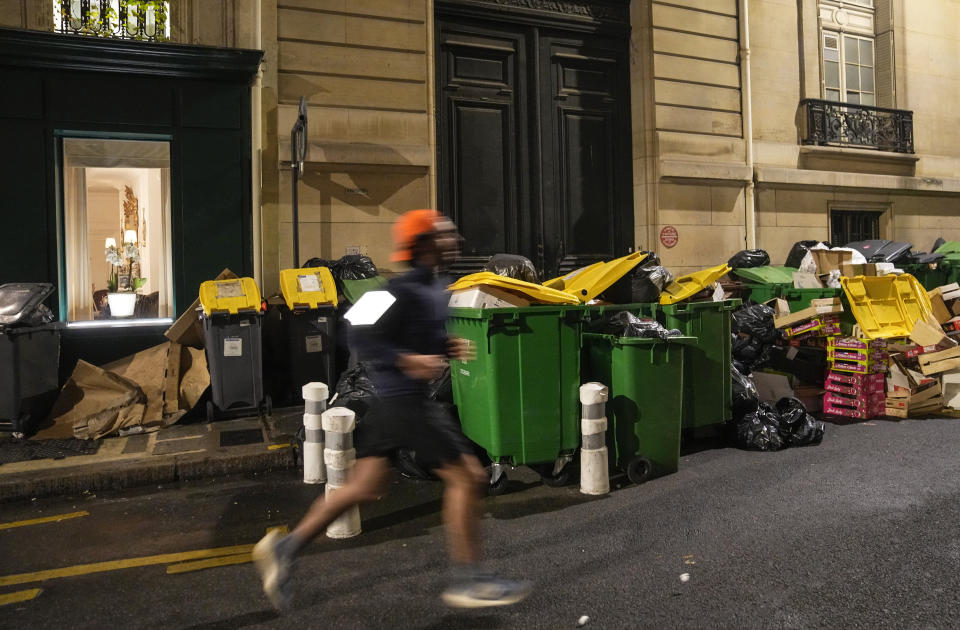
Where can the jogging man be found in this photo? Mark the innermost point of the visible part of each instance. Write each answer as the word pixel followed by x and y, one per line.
pixel 406 348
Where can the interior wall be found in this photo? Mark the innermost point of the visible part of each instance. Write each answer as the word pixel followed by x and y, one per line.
pixel 103 216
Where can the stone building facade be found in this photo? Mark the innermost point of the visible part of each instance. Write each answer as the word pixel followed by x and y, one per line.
pixel 734 140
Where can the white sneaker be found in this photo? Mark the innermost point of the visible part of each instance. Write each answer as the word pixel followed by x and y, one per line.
pixel 483 591
pixel 274 570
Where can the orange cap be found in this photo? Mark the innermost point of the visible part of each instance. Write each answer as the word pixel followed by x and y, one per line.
pixel 408 227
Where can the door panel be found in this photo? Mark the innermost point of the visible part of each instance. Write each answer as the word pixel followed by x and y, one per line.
pixel 548 176
pixel 482 140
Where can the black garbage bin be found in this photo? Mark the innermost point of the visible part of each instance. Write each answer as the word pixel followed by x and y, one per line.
pixel 307 352
pixel 232 322
pixel 29 356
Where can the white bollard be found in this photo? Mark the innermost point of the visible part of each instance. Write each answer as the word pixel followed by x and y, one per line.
pixel 594 466
pixel 314 404
pixel 340 456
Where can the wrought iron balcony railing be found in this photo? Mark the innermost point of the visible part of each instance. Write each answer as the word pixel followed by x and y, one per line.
pixel 145 20
pixel 860 126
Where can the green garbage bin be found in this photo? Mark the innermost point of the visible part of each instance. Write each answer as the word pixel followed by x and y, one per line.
pixel 760 293
pixel 645 378
pixel 518 399
pixel 929 276
pixel 708 388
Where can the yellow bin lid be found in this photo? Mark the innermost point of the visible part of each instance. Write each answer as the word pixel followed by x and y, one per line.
pixel 308 287
pixel 588 282
pixel 886 306
pixel 685 287
pixel 229 296
pixel 536 292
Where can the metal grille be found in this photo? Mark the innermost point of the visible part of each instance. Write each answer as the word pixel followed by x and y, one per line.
pixel 861 126
pixel 848 226
pixel 144 20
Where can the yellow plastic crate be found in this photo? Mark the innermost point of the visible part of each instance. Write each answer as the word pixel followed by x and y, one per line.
pixel 308 287
pixel 588 282
pixel 229 296
pixel 886 306
pixel 535 292
pixel 689 285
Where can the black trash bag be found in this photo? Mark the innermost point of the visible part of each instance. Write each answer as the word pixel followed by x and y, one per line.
pixel 759 430
pixel 626 324
pixel 643 283
pixel 755 320
pixel 745 397
pixel 937 244
pixel 749 258
pixel 39 316
pixel 797 426
pixel 355 390
pixel 354 267
pixel 318 262
pixel 797 252
pixel 512 266
pixel 410 466
pixel 441 388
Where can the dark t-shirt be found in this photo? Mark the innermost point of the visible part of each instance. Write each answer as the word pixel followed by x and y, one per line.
pixel 415 323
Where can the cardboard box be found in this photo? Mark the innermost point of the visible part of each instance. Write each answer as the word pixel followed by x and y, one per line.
pixel 829 260
pixel 820 306
pixel 772 386
pixel 951 389
pixel 938 362
pixel 187 330
pixel 926 333
pixel 851 270
pixel 855 343
pixel 486 297
pixel 940 310
pixel 949 291
pixel 802 280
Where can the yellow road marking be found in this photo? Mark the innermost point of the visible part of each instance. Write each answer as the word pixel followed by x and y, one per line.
pixel 113 565
pixel 44 519
pixel 196 565
pixel 274 447
pixel 19 596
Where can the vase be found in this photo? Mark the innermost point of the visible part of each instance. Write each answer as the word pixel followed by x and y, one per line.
pixel 121 304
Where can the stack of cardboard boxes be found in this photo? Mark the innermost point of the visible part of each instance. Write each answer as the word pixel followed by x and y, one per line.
pixel 855 382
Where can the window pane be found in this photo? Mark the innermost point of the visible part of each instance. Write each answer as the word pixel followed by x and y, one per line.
pixel 853 97
pixel 866 52
pixel 866 98
pixel 850 50
pixel 831 74
pixel 866 79
pixel 853 77
pixel 833 95
pixel 116 229
pixel 831 55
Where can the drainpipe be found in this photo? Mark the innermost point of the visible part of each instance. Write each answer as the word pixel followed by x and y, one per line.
pixel 746 96
pixel 256 152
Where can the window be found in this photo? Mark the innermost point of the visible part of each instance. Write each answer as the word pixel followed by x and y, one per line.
pixel 847 51
pixel 117 262
pixel 121 19
pixel 851 226
pixel 855 83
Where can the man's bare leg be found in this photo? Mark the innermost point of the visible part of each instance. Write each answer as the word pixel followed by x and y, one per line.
pixel 274 555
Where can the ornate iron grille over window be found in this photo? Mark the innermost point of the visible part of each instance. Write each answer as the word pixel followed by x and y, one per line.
pixel 861 126
pixel 120 19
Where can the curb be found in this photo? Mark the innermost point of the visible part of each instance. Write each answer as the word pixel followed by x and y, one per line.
pixel 156 470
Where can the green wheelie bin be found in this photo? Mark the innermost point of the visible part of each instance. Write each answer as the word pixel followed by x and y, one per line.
pixel 518 399
pixel 645 406
pixel 708 389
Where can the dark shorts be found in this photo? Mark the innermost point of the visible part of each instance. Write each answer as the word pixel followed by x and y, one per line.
pixel 412 422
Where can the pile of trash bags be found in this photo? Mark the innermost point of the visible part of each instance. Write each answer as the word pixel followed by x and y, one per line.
pixel 350 267
pixel 512 266
pixel 754 337
pixel 761 426
pixel 643 283
pixel 749 258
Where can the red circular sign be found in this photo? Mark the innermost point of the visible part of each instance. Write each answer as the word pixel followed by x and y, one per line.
pixel 669 236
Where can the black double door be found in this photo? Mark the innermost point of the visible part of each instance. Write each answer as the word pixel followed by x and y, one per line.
pixel 534 143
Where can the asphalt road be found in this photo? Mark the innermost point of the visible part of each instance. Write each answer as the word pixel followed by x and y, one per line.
pixel 859 532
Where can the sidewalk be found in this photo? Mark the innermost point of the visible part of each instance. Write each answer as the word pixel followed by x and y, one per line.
pixel 176 453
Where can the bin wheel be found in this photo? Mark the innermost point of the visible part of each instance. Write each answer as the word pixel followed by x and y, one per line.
pixel 210 411
pixel 639 469
pixel 499 486
pixel 549 479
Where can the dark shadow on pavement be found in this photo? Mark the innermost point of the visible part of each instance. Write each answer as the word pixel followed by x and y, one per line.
pixel 453 620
